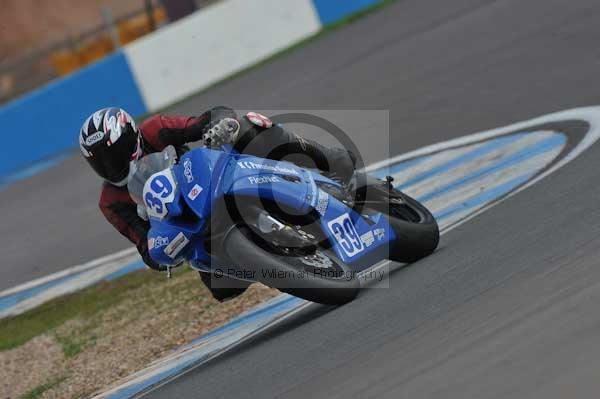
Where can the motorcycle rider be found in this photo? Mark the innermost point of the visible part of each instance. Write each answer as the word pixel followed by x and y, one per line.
pixel 110 140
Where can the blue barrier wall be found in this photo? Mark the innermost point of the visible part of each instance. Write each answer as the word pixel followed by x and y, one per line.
pixel 45 122
pixel 333 10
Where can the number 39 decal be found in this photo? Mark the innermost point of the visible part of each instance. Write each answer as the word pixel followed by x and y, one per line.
pixel 345 234
pixel 159 191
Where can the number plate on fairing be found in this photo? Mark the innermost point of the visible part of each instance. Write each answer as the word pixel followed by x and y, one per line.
pixel 346 236
pixel 159 191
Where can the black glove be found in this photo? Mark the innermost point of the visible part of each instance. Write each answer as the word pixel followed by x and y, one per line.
pixel 222 132
pixel 143 250
pixel 196 131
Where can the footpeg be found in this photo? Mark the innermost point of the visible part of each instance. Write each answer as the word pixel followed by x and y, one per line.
pixel 389 180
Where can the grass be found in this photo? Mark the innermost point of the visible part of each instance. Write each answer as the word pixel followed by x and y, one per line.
pixel 85 304
pixel 38 391
pixel 105 333
pixel 77 341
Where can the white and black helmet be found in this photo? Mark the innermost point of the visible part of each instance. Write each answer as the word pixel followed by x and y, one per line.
pixel 110 141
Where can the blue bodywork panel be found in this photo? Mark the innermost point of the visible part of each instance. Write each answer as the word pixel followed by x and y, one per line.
pixel 203 176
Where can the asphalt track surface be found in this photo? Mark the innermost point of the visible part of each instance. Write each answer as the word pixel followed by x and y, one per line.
pixel 507 307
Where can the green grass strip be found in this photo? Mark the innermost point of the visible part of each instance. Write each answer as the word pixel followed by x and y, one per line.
pixel 37 392
pixel 17 330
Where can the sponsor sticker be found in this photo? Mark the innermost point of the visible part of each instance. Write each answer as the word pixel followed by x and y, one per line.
pixel 176 246
pixel 187 170
pixel 161 242
pixel 157 242
pixel 379 233
pixel 94 138
pixel 322 203
pixel 194 192
pixel 368 238
pixel 314 193
pixel 259 120
pixel 265 166
pixel 263 179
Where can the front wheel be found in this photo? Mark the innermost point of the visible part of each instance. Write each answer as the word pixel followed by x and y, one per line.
pixel 316 277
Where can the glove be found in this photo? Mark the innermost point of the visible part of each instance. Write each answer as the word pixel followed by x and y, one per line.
pixel 224 131
pixel 143 251
pixel 142 212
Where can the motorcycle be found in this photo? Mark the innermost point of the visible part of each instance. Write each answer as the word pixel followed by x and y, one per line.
pixel 252 219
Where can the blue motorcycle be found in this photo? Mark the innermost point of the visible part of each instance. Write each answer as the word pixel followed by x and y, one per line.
pixel 252 219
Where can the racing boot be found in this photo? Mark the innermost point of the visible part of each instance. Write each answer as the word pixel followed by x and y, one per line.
pixel 227 289
pixel 278 143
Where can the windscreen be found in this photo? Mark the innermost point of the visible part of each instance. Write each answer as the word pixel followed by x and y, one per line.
pixel 146 167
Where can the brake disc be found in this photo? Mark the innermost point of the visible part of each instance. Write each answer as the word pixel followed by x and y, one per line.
pixel 318 260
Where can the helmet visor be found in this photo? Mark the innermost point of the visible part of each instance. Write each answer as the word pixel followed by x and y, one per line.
pixel 112 163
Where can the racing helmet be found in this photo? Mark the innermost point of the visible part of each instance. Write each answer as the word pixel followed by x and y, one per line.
pixel 109 141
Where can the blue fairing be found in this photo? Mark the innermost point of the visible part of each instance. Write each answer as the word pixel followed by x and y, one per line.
pixel 204 176
pixel 196 170
pixel 281 182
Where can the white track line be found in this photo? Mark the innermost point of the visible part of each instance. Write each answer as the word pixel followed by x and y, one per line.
pixel 587 114
pixel 71 270
pixel 433 183
pixel 88 274
pixel 491 180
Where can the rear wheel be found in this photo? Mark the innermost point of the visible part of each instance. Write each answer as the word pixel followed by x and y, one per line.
pixel 417 232
pixel 314 275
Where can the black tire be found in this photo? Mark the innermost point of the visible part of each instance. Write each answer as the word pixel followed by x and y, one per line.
pixel 414 241
pixel 417 232
pixel 244 253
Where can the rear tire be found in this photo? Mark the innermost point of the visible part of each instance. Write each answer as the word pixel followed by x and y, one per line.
pixel 414 241
pixel 286 273
pixel 417 232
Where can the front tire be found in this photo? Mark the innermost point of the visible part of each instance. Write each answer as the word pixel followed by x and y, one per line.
pixel 336 286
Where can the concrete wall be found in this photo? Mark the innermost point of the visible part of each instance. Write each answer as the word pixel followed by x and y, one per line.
pixel 210 45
